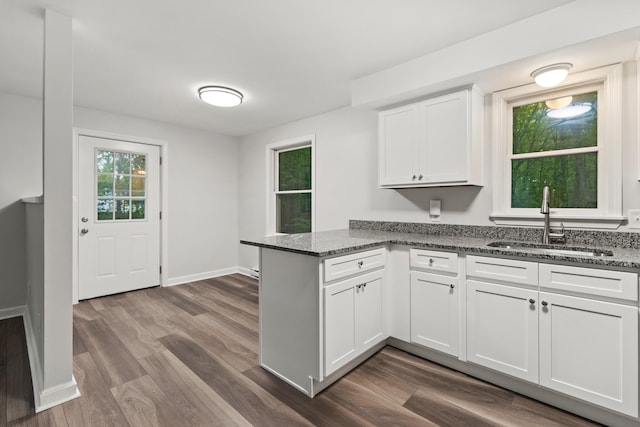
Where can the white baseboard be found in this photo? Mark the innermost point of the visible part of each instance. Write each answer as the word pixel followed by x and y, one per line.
pixel 44 398
pixel 8 313
pixel 203 276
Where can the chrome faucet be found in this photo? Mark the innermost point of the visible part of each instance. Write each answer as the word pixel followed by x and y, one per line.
pixel 547 235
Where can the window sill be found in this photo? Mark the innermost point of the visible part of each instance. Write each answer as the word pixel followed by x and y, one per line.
pixel 609 223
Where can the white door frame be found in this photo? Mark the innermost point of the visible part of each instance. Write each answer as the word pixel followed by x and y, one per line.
pixel 164 199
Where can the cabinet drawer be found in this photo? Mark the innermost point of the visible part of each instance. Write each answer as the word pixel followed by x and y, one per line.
pixel 347 265
pixel 505 270
pixel 434 260
pixel 590 281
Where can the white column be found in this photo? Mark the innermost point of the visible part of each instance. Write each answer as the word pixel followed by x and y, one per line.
pixel 58 384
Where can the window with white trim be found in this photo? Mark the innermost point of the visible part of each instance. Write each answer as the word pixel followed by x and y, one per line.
pixel 567 138
pixel 291 181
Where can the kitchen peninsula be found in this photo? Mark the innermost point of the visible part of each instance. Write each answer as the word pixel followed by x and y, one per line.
pixel 558 323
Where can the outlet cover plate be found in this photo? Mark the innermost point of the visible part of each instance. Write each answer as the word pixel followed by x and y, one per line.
pixel 634 218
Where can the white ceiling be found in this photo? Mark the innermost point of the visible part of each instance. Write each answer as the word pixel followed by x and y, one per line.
pixel 291 58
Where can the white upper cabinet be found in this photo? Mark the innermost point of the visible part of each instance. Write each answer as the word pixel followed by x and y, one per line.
pixel 435 142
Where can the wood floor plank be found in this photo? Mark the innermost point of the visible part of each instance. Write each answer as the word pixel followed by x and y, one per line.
pixel 85 310
pixel 228 284
pixel 215 289
pixel 232 331
pixel 18 379
pixel 114 361
pixel 248 319
pixel 188 390
pixel 383 383
pixel 253 402
pixel 315 410
pixel 430 406
pixel 78 344
pixel 371 407
pixel 96 405
pixel 444 381
pixel 138 340
pixel 181 301
pixel 51 417
pixel 148 314
pixel 144 404
pixel 546 415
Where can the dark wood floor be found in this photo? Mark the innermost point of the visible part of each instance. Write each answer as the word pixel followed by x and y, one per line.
pixel 187 356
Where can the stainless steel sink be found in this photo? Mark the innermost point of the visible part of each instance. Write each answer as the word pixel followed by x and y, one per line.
pixel 552 249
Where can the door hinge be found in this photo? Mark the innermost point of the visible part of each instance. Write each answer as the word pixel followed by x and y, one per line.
pixel 160 269
pixel 160 214
pixel 160 160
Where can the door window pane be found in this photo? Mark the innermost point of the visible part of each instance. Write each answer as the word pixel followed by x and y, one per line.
pixel 293 213
pixel 137 186
pixel 122 208
pixel 105 209
pixel 137 209
pixel 104 161
pixel 123 164
pixel 138 162
pixel 122 185
pixel 105 185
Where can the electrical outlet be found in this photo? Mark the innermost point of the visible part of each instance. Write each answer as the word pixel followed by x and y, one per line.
pixel 634 218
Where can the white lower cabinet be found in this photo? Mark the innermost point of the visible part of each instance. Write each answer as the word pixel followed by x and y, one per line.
pixel 434 311
pixel 353 317
pixel 502 328
pixel 580 345
pixel 589 350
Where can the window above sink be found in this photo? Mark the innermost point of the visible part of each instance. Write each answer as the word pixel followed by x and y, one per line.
pixel 578 154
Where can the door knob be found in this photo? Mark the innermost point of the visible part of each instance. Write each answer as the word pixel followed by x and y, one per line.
pixel 84 231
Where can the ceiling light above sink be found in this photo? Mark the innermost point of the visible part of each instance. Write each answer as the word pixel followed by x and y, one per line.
pixel 551 75
pixel 220 96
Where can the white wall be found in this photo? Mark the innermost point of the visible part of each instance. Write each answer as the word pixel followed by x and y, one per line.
pixel 20 176
pixel 203 192
pixel 346 175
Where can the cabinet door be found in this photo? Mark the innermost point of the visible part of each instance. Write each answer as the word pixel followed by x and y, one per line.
pixel 370 326
pixel 396 156
pixel 353 318
pixel 434 311
pixel 445 138
pixel 502 328
pixel 589 350
pixel 339 324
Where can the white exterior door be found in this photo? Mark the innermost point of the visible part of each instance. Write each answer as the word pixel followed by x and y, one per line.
pixel 119 211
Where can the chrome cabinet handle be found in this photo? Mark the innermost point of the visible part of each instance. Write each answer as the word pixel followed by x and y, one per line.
pixel 84 231
pixel 430 261
pixel 532 301
pixel 452 286
pixel 544 303
pixel 420 177
pixel 84 219
pixel 413 177
pixel 360 264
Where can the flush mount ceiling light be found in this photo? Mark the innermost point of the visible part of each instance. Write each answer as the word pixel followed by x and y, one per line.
pixel 551 75
pixel 220 96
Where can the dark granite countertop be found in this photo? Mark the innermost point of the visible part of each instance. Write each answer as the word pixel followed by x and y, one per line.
pixel 464 239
